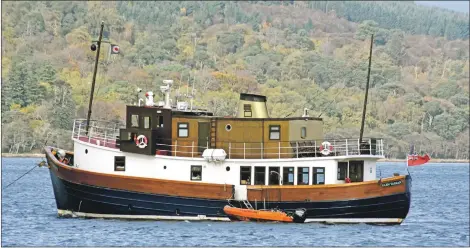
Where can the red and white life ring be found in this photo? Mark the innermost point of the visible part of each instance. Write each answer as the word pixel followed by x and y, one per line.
pixel 141 141
pixel 326 148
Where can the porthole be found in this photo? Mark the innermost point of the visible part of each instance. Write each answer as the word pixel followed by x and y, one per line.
pixel 227 168
pixel 86 151
pixel 228 127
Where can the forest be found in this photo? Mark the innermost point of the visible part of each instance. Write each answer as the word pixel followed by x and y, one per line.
pixel 299 54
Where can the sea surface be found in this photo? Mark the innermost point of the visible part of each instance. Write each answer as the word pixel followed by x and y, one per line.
pixel 439 216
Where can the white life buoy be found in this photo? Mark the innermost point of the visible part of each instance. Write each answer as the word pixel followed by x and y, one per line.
pixel 326 148
pixel 141 141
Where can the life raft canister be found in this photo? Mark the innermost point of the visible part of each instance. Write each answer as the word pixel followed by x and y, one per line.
pixel 326 148
pixel 141 141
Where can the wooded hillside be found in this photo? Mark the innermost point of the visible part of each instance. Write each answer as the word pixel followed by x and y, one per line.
pixel 298 54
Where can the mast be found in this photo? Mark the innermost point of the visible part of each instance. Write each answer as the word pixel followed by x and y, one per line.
pixel 94 78
pixel 367 90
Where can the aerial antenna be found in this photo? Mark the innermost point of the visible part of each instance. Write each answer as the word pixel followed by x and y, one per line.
pixel 367 90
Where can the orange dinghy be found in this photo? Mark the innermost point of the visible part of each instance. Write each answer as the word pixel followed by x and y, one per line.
pixel 243 214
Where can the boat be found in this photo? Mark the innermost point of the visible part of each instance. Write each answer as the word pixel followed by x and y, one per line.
pixel 175 162
pixel 276 215
pixel 414 159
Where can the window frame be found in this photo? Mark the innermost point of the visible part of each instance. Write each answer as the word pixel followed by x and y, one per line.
pixel 191 172
pixel 258 173
pixel 300 174
pixel 285 176
pixel 117 163
pixel 314 173
pixel 149 123
pixel 132 121
pixel 247 182
pixel 271 131
pixel 340 172
pixel 278 177
pixel 179 129
pixel 303 135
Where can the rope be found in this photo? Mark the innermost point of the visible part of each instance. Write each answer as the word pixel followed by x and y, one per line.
pixel 20 177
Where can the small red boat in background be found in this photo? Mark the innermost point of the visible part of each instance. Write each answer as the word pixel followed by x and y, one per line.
pixel 414 160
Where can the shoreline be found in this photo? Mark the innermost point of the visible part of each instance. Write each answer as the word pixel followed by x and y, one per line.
pixel 436 160
pixel 23 155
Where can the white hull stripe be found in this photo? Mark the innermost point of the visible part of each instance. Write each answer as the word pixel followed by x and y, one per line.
pixel 68 213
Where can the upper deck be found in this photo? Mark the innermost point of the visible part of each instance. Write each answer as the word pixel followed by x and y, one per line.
pixel 108 134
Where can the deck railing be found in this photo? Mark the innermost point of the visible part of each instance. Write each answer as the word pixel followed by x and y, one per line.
pixel 100 133
pixel 105 134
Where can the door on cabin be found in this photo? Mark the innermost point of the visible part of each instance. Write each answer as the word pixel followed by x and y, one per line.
pixel 356 171
pixel 203 136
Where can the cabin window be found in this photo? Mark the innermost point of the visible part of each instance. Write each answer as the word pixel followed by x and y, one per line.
pixel 260 175
pixel 183 130
pixel 159 121
pixel 134 120
pixel 302 176
pixel 247 109
pixel 119 163
pixel 342 170
pixel 318 175
pixel 245 175
pixel 196 172
pixel 274 175
pixel 303 132
pixel 274 132
pixel 147 122
pixel 288 176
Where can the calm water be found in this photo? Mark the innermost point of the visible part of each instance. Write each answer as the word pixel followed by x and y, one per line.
pixel 439 216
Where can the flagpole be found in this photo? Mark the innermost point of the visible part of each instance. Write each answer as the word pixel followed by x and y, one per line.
pixel 94 78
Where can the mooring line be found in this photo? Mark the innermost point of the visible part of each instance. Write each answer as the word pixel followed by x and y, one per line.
pixel 20 177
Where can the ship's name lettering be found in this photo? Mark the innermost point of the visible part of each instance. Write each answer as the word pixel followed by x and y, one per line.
pixel 391 184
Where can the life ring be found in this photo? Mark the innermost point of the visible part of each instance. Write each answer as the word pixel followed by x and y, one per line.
pixel 326 148
pixel 141 141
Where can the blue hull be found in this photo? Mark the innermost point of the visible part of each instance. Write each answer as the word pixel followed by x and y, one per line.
pixel 99 200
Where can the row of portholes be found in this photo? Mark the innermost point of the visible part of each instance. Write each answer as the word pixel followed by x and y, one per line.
pixel 226 168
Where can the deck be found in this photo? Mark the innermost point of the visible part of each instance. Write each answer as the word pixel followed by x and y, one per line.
pixel 106 134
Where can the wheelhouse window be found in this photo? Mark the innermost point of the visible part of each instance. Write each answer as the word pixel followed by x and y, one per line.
pixel 288 176
pixel 183 130
pixel 247 110
pixel 274 175
pixel 196 172
pixel 245 175
pixel 302 176
pixel 342 170
pixel 303 132
pixel 318 175
pixel 147 122
pixel 260 175
pixel 134 120
pixel 274 132
pixel 119 163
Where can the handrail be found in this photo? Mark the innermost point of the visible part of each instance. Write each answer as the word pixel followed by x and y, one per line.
pixel 105 134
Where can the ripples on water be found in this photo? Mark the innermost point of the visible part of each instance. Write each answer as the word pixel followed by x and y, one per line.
pixel 439 216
